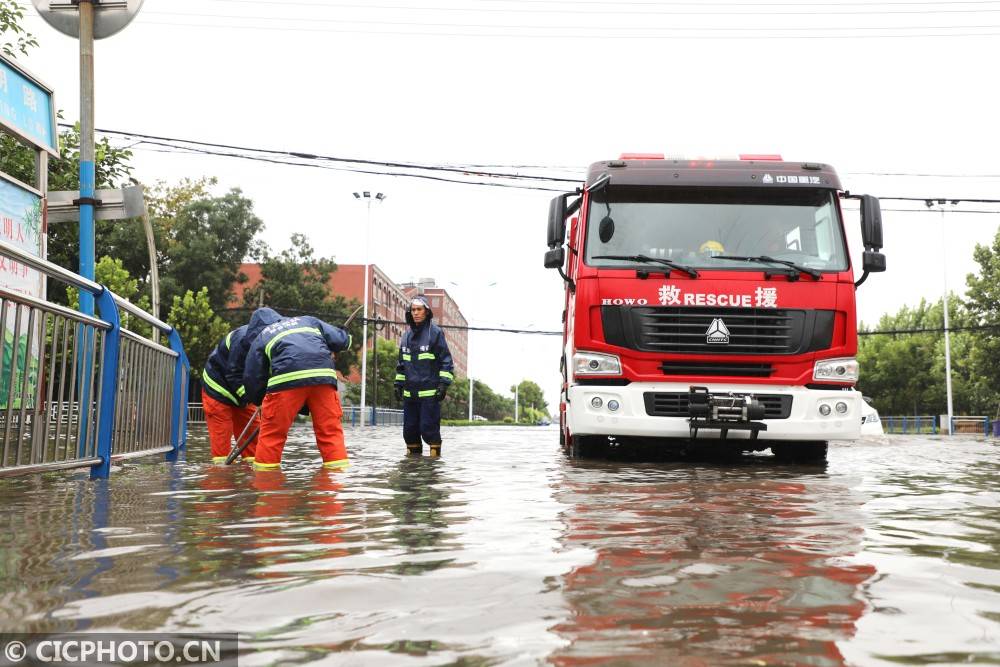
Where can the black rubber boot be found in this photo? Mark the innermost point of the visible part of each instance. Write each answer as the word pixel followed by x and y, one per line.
pixel 414 450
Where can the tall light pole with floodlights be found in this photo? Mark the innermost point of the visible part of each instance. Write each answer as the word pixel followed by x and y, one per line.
pixel 367 197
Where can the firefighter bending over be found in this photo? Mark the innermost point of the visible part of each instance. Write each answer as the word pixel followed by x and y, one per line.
pixel 289 366
pixel 423 375
pixel 223 396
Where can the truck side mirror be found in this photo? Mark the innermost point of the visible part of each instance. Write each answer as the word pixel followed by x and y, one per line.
pixel 557 222
pixel 555 257
pixel 872 261
pixel 871 223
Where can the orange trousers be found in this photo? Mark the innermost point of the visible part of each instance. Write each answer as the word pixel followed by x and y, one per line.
pixel 225 422
pixel 278 412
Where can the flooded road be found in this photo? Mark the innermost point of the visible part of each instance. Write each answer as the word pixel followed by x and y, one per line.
pixel 505 552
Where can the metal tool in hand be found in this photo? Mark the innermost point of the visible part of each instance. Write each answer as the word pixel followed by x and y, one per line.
pixel 238 448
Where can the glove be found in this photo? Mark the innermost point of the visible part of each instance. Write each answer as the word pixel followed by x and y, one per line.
pixel 304 411
pixel 442 390
pixel 399 393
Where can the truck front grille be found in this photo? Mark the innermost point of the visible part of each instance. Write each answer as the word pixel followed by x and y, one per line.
pixel 752 331
pixel 713 369
pixel 675 404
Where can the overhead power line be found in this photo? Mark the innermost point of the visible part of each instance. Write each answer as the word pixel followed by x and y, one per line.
pixel 657 3
pixel 727 11
pixel 597 32
pixel 315 160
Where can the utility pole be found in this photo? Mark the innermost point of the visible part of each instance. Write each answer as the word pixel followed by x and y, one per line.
pixel 470 399
pixel 947 331
pixel 515 404
pixel 367 196
pixel 88 178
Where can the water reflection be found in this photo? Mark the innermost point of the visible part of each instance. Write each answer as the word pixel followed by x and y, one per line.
pixel 417 505
pixel 504 552
pixel 726 564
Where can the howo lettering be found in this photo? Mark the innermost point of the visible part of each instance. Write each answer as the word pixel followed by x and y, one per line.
pixel 710 300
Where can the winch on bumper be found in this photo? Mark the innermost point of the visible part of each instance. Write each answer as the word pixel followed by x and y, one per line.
pixel 738 412
pixel 660 410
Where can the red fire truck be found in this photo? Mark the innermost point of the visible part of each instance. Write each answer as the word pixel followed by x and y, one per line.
pixel 710 301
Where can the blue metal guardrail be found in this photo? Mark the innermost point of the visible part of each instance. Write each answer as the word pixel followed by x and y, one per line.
pixel 81 391
pixel 932 424
pixel 374 416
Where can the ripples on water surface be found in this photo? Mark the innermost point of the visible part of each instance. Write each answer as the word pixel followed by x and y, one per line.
pixel 504 552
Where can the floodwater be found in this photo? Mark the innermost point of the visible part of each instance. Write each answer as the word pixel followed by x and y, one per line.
pixel 505 552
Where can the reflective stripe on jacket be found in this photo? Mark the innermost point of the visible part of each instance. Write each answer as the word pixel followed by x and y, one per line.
pixel 424 360
pixel 294 352
pixel 216 379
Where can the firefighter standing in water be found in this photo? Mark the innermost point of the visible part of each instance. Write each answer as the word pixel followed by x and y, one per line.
pixel 423 375
pixel 289 366
pixel 223 396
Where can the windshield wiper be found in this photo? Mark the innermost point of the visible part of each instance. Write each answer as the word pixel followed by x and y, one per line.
pixel 651 260
pixel 761 259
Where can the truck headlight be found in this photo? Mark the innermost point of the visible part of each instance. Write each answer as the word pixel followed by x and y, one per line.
pixel 836 370
pixel 592 363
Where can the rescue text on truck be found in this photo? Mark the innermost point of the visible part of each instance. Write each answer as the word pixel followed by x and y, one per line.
pixel 710 302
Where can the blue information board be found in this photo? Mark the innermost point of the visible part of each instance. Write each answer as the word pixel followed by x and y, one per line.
pixel 26 107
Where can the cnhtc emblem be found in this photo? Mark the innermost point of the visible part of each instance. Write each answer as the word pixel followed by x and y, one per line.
pixel 717 332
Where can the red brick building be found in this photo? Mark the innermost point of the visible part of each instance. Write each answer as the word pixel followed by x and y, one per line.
pixel 387 301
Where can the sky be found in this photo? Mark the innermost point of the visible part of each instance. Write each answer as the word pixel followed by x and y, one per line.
pixel 899 97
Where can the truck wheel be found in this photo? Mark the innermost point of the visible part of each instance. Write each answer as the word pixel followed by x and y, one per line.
pixel 800 452
pixel 583 446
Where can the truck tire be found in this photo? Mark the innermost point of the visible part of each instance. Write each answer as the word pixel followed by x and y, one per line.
pixel 584 446
pixel 800 452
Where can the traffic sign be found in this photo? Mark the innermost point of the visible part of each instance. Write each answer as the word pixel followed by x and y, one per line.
pixel 110 16
pixel 27 109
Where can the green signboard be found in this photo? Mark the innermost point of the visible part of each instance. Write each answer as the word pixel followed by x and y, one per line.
pixel 21 226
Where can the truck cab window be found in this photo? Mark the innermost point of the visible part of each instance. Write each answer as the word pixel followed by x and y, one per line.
pixel 694 226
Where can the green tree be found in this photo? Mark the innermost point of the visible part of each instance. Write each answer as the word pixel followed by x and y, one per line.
pixel 199 327
pixel 983 298
pixel 296 282
pixel 385 363
pixel 123 239
pixel 485 402
pixel 294 279
pixel 14 39
pixel 113 275
pixel 205 244
pixel 905 373
pixel 531 402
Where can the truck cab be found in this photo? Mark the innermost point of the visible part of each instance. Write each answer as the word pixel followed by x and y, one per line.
pixel 710 300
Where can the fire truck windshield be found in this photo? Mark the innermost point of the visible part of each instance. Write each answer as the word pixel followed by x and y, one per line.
pixel 696 226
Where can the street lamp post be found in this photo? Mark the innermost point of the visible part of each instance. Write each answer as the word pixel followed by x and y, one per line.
pixel 947 332
pixel 379 324
pixel 367 196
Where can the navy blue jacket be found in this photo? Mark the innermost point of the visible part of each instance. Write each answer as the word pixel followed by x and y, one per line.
pixel 294 352
pixel 223 374
pixel 424 359
pixel 215 378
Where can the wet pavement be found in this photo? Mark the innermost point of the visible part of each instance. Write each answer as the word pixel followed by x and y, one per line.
pixel 505 552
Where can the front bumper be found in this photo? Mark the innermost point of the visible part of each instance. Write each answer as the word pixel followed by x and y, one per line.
pixel 631 419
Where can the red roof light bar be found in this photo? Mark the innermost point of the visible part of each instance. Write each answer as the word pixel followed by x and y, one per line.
pixel 641 156
pixel 762 157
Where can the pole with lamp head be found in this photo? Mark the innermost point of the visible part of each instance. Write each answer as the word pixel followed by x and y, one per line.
pixel 367 196
pixel 947 331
